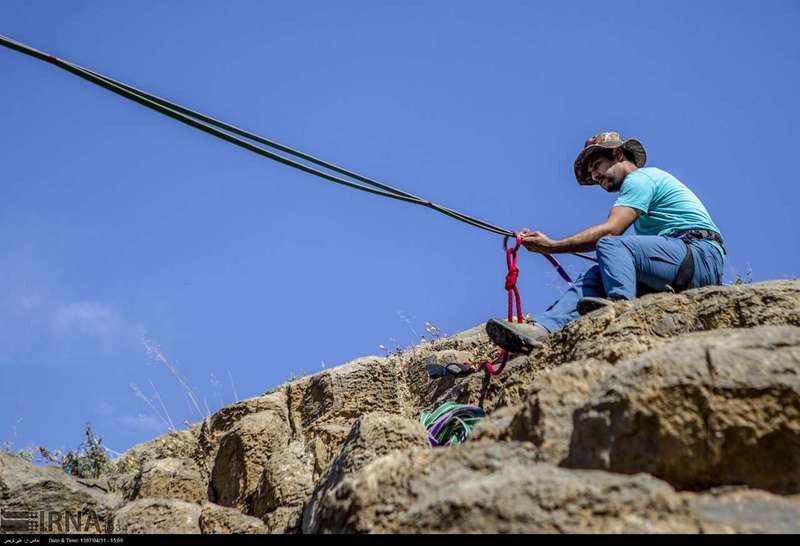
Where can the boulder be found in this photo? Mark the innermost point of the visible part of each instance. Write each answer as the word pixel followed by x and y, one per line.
pixel 158 516
pixel 58 503
pixel 670 413
pixel 324 441
pixel 242 456
pixel 324 406
pixel 629 328
pixel 346 392
pixel 123 483
pixel 220 520
pixel 372 436
pixel 492 489
pixel 709 409
pixel 283 520
pixel 545 416
pixel 746 511
pixel 170 478
pixel 180 444
pixel 286 483
pixel 214 427
pixel 500 488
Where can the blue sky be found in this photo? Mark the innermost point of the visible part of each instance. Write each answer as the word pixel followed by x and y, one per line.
pixel 128 240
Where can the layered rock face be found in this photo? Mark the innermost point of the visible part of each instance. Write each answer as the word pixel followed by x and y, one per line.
pixel 671 413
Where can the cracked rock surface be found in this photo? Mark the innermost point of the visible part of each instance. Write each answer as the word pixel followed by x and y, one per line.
pixel 670 413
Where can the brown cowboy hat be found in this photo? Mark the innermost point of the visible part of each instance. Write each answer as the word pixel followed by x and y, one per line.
pixel 607 141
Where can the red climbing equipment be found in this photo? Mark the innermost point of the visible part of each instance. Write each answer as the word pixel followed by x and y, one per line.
pixel 495 367
pixel 511 277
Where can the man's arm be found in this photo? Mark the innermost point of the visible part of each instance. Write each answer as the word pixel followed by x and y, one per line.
pixel 619 219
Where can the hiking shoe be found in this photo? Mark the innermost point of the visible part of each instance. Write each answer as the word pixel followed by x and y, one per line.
pixel 516 337
pixel 588 304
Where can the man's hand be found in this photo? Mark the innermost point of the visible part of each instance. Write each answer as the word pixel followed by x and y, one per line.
pixel 536 241
pixel 619 219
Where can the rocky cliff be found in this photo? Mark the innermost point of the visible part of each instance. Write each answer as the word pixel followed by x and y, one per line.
pixel 672 413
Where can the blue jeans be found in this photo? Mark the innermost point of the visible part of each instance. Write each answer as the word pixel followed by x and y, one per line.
pixel 633 265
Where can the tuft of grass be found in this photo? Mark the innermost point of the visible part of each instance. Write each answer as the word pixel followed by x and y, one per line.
pixel 89 460
pixel 393 349
pixel 748 277
pixel 294 375
pixel 26 453
pixel 434 332
pixel 154 351
pixel 738 279
pixel 198 405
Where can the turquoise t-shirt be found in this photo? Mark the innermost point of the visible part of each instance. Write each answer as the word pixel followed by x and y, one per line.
pixel 666 205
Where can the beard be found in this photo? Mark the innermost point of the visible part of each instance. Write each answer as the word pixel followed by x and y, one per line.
pixel 613 185
pixel 613 178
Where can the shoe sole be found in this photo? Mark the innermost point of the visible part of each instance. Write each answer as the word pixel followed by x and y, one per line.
pixel 509 339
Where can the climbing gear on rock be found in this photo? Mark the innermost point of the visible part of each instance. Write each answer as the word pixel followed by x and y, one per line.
pixel 512 276
pixel 510 336
pixel 496 366
pixel 450 424
pixel 516 337
pixel 442 370
pixel 606 141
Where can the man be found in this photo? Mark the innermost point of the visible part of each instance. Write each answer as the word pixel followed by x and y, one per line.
pixel 676 246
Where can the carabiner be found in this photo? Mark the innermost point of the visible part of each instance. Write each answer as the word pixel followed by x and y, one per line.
pixel 518 238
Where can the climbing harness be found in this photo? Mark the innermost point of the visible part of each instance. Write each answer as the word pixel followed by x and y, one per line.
pixel 685 273
pixel 450 424
pixel 258 144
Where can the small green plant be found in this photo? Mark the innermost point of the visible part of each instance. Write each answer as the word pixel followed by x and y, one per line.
pixel 26 453
pixel 89 460
pixel 748 278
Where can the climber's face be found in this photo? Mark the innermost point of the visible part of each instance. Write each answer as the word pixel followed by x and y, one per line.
pixel 606 170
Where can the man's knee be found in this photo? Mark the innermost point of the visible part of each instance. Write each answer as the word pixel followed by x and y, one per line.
pixel 592 273
pixel 590 277
pixel 607 244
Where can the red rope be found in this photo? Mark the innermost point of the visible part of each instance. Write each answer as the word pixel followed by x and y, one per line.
pixel 496 366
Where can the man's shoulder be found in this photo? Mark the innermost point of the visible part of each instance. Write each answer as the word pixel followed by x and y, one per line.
pixel 652 173
pixel 640 179
pixel 654 177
